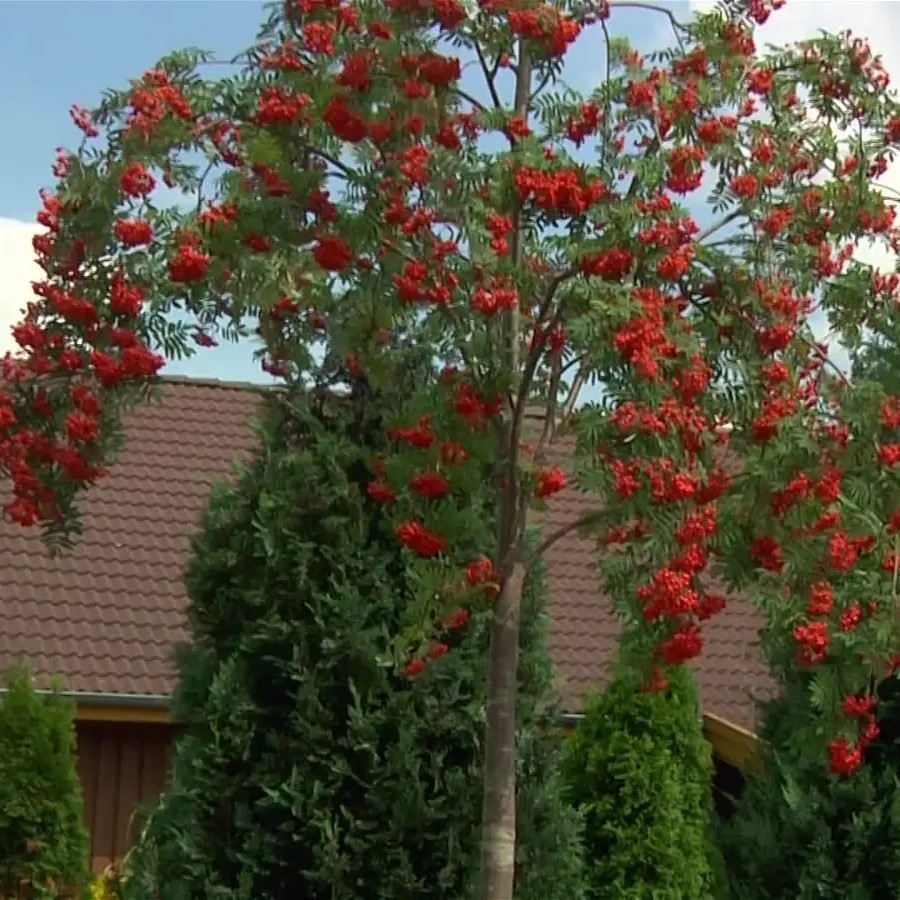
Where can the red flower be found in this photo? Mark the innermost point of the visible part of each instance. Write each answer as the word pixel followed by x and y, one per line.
pixel 136 181
pixel 333 254
pixel 257 243
pixel 189 265
pixel 415 668
pixel 889 454
pixel 125 299
pixel 890 413
pixel 81 429
pixel 821 599
pixel 611 265
pixel 851 617
pixel 550 481
pixel 768 554
pixel 357 73
pixel 813 641
pixel 844 551
pixel 709 606
pixel 133 232
pixel 657 683
pixel 858 707
pixel 745 186
pixel 441 71
pixel 760 81
pixel 430 485
pixel 453 452
pixel 845 760
pixel 381 493
pixel 677 264
pixel 481 572
pixel 344 122
pixel 420 436
pixel 319 37
pixel 278 106
pixel 459 618
pixel 417 538
pixel 83 121
pixel 685 644
pixel 436 651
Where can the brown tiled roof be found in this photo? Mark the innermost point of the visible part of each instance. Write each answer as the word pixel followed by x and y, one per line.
pixel 105 616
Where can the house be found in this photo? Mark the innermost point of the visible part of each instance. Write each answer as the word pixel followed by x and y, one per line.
pixel 105 616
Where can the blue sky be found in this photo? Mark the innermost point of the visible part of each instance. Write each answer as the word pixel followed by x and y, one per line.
pixel 54 54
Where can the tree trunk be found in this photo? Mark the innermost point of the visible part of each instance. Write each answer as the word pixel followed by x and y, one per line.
pixel 498 854
pixel 498 817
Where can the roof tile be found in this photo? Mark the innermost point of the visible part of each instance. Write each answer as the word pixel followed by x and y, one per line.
pixel 106 615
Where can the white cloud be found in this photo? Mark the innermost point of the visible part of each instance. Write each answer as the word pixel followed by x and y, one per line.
pixel 18 270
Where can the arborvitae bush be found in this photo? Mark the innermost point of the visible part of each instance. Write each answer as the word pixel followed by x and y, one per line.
pixel 800 833
pixel 640 770
pixel 44 847
pixel 310 768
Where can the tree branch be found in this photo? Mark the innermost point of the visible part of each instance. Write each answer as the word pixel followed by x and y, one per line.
pixel 549 428
pixel 591 518
pixel 511 511
pixel 477 104
pixel 726 220
pixel 489 76
pixel 574 391
pixel 677 27
pixel 333 160
pixel 542 84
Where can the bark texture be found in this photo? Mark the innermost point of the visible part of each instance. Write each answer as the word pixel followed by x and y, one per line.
pixel 499 815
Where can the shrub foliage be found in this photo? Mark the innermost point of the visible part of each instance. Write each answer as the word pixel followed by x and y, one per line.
pixel 799 833
pixel 311 767
pixel 44 848
pixel 639 769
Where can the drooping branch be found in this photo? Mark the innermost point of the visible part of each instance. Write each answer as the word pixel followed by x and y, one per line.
pixel 678 28
pixel 549 428
pixel 540 322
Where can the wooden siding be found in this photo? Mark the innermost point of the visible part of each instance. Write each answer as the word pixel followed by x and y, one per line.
pixel 123 767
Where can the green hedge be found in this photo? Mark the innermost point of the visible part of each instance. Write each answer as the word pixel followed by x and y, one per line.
pixel 640 770
pixel 311 768
pixel 799 833
pixel 44 848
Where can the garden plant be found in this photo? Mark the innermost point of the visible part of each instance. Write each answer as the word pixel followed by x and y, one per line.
pixel 640 769
pixel 309 766
pixel 44 847
pixel 374 170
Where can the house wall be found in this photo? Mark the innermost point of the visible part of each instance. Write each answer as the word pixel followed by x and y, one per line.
pixel 124 765
pixel 123 768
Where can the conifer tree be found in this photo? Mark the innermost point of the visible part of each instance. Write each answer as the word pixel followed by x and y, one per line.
pixel 44 847
pixel 312 766
pixel 800 834
pixel 640 769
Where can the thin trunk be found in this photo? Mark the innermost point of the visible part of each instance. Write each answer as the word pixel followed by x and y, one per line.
pixel 498 836
pixel 498 857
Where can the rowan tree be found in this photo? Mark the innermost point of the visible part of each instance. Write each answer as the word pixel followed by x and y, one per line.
pixel 673 237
